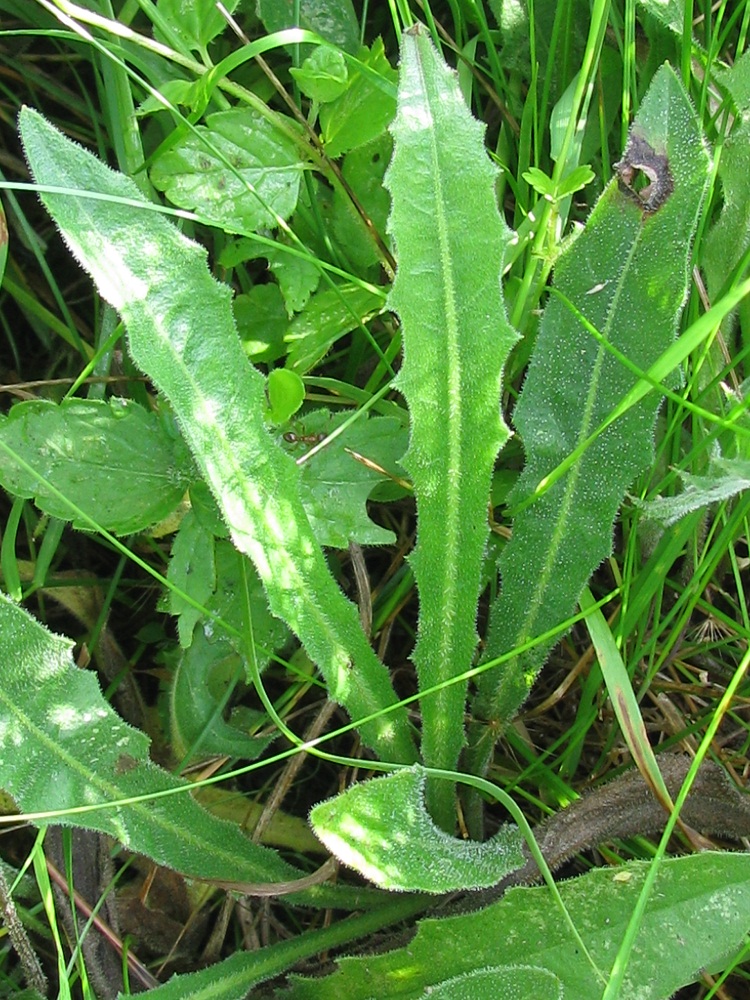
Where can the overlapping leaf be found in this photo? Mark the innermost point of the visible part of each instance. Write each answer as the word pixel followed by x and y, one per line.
pixel 181 332
pixel 523 942
pixel 381 828
pixel 238 170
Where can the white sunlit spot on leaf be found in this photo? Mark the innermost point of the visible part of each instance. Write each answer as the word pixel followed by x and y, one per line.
pixel 416 116
pixel 68 717
pixel 115 278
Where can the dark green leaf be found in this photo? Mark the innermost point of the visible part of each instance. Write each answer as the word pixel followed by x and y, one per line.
pixel 238 170
pixel 335 484
pixel 627 275
pixel 114 461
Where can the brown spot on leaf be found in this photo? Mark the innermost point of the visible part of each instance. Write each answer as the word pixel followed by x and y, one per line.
pixel 125 763
pixel 641 161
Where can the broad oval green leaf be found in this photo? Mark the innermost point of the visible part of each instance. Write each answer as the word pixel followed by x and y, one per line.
pixel 334 20
pixel 238 170
pixel 451 243
pixel 195 22
pixel 382 829
pixel 181 331
pixel 114 461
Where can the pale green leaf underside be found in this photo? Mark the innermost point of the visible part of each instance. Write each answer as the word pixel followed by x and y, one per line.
pixel 451 242
pixel 725 479
pixel 627 274
pixel 704 899
pixel 382 829
pixel 114 461
pixel 181 332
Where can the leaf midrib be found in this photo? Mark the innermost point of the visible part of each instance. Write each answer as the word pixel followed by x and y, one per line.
pixel 570 482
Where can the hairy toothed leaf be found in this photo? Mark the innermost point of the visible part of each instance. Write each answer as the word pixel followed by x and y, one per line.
pixel 627 275
pixel 181 331
pixel 62 746
pixel 523 944
pixel 737 81
pixel 381 829
pixel 451 241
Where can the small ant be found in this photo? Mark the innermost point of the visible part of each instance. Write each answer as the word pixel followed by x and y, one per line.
pixel 291 438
